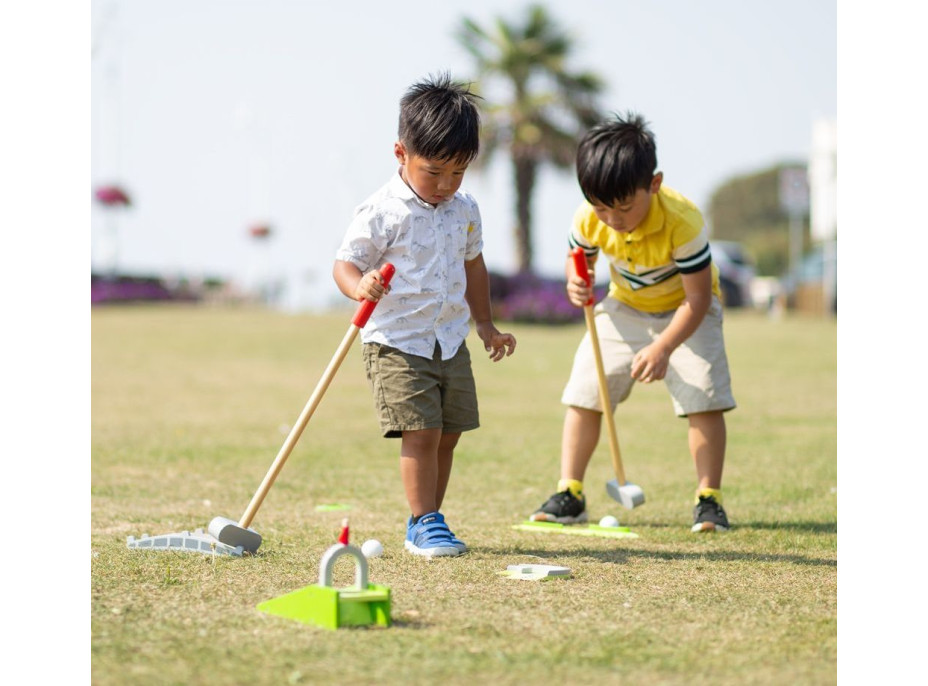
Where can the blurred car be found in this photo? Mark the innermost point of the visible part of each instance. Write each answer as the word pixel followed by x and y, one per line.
pixel 814 287
pixel 736 272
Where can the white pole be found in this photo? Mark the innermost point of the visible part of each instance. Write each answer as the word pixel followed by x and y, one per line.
pixel 795 244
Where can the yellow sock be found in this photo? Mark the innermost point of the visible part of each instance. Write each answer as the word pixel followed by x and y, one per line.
pixel 575 487
pixel 709 493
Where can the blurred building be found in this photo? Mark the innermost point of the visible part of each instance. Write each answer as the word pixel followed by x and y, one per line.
pixel 818 284
pixel 823 181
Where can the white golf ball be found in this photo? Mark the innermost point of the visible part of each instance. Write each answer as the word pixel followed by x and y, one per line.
pixel 608 520
pixel 372 548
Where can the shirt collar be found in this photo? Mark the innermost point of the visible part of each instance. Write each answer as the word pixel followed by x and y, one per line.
pixel 399 188
pixel 653 221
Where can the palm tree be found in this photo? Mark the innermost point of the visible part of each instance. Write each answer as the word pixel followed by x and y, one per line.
pixel 547 107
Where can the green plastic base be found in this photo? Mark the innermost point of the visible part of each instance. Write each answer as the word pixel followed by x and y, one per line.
pixel 332 608
pixel 577 530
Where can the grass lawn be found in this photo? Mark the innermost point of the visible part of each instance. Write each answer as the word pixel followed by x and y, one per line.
pixel 191 404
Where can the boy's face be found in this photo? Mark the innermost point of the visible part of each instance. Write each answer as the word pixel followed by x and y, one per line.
pixel 625 215
pixel 432 181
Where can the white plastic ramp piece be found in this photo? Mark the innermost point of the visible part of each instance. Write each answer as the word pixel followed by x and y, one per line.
pixel 533 572
pixel 196 542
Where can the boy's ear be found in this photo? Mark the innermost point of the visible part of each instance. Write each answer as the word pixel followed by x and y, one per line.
pixel 656 182
pixel 399 150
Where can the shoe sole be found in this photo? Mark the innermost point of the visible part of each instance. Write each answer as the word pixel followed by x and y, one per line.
pixel 545 517
pixel 707 527
pixel 438 551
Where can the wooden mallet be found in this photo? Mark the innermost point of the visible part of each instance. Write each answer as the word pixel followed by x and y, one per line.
pixel 620 490
pixel 234 533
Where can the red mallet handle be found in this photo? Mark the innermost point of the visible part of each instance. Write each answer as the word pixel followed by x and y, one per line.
pixel 367 307
pixel 582 270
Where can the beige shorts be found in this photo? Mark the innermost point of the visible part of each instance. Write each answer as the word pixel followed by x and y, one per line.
pixel 697 374
pixel 413 393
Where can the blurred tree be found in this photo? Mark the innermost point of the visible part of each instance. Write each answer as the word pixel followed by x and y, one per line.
pixel 545 111
pixel 747 209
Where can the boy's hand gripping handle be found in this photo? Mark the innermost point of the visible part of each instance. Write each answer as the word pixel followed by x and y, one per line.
pixel 582 270
pixel 366 308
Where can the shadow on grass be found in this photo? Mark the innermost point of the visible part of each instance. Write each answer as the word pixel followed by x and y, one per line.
pixel 622 556
pixel 807 527
pixel 403 622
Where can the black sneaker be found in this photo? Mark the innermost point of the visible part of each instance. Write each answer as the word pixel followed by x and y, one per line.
pixel 708 515
pixel 562 507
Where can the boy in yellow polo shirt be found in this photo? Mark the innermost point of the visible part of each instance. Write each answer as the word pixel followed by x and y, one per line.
pixel 661 320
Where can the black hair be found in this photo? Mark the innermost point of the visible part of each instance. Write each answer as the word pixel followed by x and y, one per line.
pixel 439 120
pixel 615 158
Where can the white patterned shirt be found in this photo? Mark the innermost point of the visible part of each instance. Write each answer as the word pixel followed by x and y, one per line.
pixel 428 245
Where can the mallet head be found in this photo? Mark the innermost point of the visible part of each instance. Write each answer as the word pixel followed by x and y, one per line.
pixel 229 532
pixel 628 495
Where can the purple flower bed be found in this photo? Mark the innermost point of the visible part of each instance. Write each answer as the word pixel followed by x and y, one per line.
pixel 528 298
pixel 125 289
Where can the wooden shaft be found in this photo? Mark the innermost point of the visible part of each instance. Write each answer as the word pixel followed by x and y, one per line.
pixel 604 397
pixel 297 429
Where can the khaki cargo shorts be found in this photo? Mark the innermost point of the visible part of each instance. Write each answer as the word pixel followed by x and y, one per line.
pixel 697 374
pixel 413 393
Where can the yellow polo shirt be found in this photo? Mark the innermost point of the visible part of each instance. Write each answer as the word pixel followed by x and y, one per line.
pixel 645 264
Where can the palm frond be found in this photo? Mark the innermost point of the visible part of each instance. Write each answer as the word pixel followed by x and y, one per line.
pixel 548 106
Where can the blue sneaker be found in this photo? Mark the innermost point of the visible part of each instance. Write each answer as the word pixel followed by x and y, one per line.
pixel 430 537
pixel 457 542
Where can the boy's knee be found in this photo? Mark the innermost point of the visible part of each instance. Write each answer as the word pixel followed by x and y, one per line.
pixel 712 418
pixel 420 439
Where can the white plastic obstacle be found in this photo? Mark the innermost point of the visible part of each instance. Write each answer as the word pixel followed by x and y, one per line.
pixel 531 572
pixel 196 542
pixel 331 556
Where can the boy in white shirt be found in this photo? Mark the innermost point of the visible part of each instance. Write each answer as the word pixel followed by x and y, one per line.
pixel 414 350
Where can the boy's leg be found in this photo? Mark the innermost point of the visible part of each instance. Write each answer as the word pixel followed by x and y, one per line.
pixel 420 470
pixel 426 459
pixel 425 468
pixel 700 385
pixel 410 394
pixel 446 448
pixel 707 438
pixel 578 441
pixel 425 465
pixel 621 333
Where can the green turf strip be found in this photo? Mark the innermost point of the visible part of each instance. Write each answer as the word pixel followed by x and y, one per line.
pixel 577 530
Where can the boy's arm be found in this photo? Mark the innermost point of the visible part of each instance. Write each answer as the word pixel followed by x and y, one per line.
pixel 356 285
pixel 477 295
pixel 650 363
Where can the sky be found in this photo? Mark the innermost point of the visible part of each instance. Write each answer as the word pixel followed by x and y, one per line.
pixel 217 115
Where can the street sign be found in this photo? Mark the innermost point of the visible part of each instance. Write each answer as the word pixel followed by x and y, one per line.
pixel 794 191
